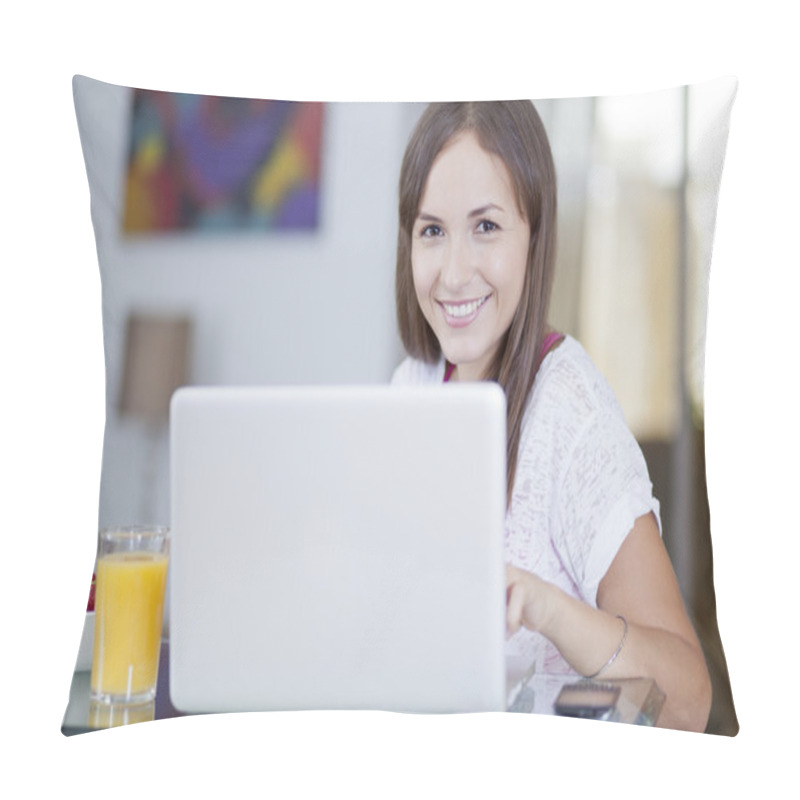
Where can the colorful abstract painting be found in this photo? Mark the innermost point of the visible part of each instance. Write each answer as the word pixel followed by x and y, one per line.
pixel 205 163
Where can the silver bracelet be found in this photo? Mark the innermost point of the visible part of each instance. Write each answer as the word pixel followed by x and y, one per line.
pixel 616 652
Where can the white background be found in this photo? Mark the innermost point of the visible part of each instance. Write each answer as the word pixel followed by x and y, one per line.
pixel 52 396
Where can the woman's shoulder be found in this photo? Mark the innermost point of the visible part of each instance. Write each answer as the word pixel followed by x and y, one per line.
pixel 569 379
pixel 412 371
pixel 570 397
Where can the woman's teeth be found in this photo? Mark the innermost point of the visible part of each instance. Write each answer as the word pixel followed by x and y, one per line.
pixel 465 309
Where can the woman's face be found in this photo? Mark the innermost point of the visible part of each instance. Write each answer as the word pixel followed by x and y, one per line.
pixel 469 254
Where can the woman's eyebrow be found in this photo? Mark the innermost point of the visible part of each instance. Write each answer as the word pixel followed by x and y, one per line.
pixel 483 209
pixel 425 216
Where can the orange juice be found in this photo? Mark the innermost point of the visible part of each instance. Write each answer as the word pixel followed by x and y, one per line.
pixel 129 607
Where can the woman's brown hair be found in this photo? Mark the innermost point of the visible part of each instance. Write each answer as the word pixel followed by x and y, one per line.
pixel 514 132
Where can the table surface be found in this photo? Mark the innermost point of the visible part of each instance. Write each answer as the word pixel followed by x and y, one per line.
pixel 639 702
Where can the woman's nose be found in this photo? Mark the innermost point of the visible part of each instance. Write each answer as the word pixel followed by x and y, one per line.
pixel 458 267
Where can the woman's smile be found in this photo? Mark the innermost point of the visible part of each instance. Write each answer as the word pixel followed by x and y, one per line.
pixel 459 315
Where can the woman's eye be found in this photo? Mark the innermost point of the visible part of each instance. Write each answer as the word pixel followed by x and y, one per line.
pixel 487 226
pixel 430 231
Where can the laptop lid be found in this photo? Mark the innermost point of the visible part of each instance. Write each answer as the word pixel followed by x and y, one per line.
pixel 338 548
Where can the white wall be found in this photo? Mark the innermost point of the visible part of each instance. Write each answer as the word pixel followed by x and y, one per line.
pixel 271 308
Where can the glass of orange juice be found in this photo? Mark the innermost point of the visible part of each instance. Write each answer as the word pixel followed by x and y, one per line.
pixel 129 609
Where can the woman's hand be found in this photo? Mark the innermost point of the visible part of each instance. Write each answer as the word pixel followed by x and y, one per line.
pixel 527 600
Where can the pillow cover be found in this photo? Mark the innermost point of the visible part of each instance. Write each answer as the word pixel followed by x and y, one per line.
pixel 268 231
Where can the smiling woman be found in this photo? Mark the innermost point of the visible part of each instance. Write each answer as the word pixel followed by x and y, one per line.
pixel 514 158
pixel 591 590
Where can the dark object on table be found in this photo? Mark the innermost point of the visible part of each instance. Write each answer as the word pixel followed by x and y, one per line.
pixel 587 700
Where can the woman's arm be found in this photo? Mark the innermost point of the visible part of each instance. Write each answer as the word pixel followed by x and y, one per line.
pixel 640 585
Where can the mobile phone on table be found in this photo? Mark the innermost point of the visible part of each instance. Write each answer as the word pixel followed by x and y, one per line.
pixel 587 700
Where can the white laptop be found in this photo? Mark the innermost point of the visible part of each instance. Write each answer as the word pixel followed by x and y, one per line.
pixel 338 548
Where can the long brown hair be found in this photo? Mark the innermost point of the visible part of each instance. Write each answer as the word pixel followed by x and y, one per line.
pixel 514 132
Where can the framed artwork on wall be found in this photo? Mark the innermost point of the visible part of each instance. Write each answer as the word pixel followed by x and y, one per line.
pixel 201 163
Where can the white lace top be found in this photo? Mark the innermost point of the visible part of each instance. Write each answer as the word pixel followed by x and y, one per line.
pixel 581 483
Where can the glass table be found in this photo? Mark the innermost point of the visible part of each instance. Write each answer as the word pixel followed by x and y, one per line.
pixel 639 701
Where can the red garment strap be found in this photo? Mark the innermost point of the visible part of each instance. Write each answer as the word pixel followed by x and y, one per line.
pixel 448 371
pixel 549 341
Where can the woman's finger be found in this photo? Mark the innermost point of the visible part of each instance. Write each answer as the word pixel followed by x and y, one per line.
pixel 515 596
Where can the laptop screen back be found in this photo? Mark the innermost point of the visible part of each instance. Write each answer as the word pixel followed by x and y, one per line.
pixel 338 548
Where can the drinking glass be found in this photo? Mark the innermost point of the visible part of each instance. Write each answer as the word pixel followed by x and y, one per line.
pixel 129 609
